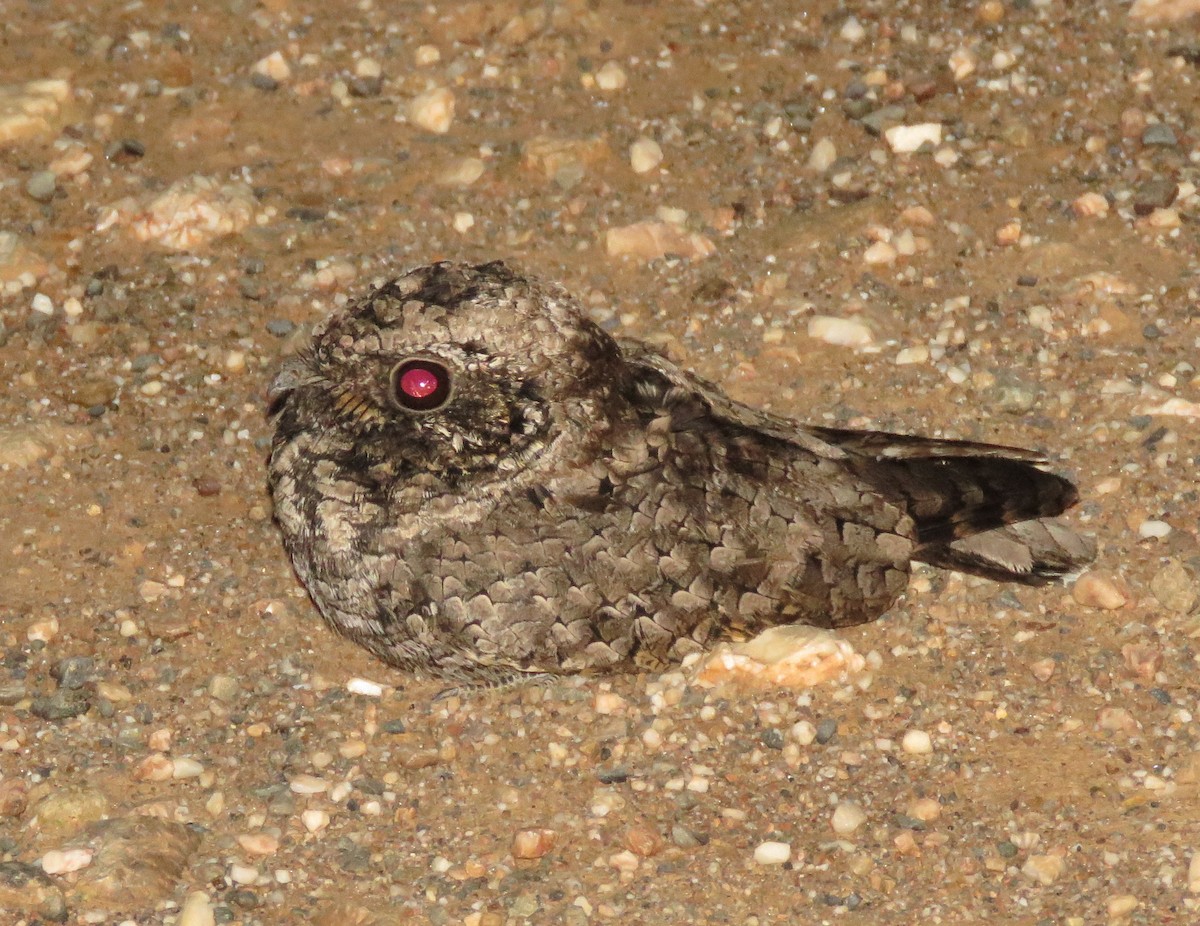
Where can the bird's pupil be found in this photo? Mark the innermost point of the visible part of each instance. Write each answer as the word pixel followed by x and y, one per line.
pixel 419 382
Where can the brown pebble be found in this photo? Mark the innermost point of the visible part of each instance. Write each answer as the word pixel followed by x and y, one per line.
pixel 1174 587
pixel 14 796
pixel 421 758
pixel 1098 590
pixel 1142 660
pixel 643 840
pixel 206 486
pixel 532 843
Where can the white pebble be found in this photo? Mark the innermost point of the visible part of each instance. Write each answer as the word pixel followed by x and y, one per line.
pixel 847 817
pixel 823 154
pixel 197 911
pixel 274 66
pixel 308 784
pixel 42 304
pixel 433 110
pixel 1121 905
pixel 645 154
pixel 426 55
pixel 772 853
pixel 462 172
pixel 187 768
pixel 608 702
pixel 259 843
pixel 803 732
pixel 879 253
pixel 852 30
pixel 314 820
pixel 906 138
pixel 611 77
pixel 368 68
pixel 845 332
pixel 908 355
pixel 1090 205
pixel 1193 875
pixel 242 874
pixel 1045 869
pixel 61 861
pixel 1153 529
pixel 917 743
pixel 361 686
pixel 962 63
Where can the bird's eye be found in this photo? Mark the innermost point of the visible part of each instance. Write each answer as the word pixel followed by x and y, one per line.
pixel 420 384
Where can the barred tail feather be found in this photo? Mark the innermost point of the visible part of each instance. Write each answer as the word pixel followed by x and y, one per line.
pixel 1034 552
pixel 979 508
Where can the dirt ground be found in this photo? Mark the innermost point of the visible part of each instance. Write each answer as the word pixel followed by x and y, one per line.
pixel 197 184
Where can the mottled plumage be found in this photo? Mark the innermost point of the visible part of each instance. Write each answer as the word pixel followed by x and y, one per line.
pixel 474 480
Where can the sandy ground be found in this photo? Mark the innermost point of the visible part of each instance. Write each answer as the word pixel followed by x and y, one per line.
pixel 196 185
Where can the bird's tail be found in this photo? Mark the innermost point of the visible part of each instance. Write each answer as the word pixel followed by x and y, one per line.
pixel 980 508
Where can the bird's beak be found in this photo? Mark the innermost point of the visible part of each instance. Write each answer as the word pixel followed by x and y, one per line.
pixel 295 372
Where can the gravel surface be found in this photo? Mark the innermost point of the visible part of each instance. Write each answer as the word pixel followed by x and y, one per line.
pixel 975 220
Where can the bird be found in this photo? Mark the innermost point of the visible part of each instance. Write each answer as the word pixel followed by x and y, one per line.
pixel 476 482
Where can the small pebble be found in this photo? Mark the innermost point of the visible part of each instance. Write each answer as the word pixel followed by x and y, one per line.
pixel 1159 135
pixel 224 688
pixel 844 332
pixel 1044 869
pixel 925 809
pixel 643 841
pixel 535 843
pixel 155 767
pixel 823 154
pixel 908 138
pixel 41 186
pixel 652 240
pixel 274 66
pixel 917 743
pixel 362 686
pixel 61 861
pixel 911 355
pixel 1153 529
pixel 826 730
pixel 852 30
pixel 608 702
pixel 197 910
pixel 1098 590
pixel 881 252
pixel 186 768
pixel 624 861
pixel 1175 587
pixel 259 843
pixel 1090 205
pixel 461 172
pixel 1122 905
pixel 242 874
pixel 1043 669
pixel 645 154
pixel 772 853
pixel 847 817
pixel 314 820
pixel 433 110
pixel 308 784
pixel 611 76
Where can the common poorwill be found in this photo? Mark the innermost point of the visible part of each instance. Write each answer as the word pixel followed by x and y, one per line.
pixel 474 480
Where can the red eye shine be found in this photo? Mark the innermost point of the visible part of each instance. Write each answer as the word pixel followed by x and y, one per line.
pixel 420 384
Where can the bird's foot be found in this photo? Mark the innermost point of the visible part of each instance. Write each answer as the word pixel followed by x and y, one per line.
pixel 502 681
